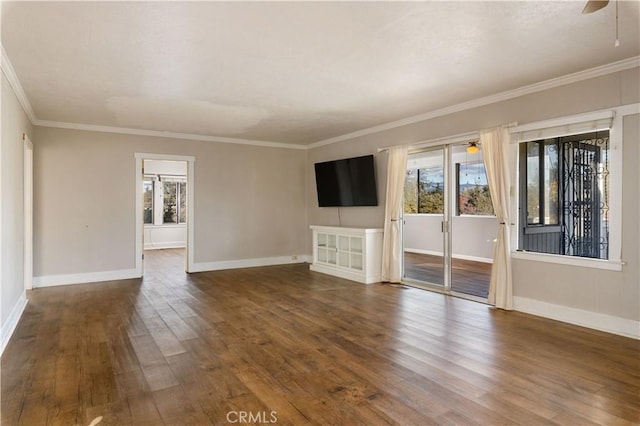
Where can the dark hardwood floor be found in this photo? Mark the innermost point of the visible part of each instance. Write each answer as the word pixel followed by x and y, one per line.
pixel 285 344
pixel 467 276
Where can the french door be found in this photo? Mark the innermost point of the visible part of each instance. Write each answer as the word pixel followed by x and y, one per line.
pixel 448 223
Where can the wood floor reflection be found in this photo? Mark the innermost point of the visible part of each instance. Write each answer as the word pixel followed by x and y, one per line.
pixel 305 348
pixel 467 276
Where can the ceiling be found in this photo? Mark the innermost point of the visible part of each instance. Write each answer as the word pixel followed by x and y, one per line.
pixel 293 72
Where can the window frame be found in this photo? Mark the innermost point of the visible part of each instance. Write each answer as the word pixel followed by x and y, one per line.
pixel 610 119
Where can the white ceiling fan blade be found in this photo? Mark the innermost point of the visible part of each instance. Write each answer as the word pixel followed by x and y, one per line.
pixel 594 5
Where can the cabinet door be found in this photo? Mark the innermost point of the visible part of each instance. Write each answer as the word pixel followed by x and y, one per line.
pixel 356 261
pixel 322 254
pixel 356 244
pixel 331 241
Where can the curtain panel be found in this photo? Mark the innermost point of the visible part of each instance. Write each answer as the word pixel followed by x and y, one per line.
pixel 392 238
pixel 495 145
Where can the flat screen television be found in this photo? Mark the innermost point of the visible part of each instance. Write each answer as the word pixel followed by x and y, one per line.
pixel 347 183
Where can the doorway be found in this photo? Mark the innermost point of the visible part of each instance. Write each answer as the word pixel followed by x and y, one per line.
pixel 449 228
pixel 164 207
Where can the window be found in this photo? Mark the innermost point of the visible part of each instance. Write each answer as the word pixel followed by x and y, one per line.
pixel 564 202
pixel 168 196
pixel 424 190
pixel 174 200
pixel 473 190
pixel 147 191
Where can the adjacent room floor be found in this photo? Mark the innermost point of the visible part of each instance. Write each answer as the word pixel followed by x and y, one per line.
pixel 285 344
pixel 467 276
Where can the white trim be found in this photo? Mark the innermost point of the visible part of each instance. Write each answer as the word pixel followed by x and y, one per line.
pixel 14 82
pixel 584 262
pixel 164 245
pixel 563 121
pixel 599 71
pixel 622 65
pixel 139 226
pixel 12 321
pixel 603 322
pixel 563 126
pixel 163 134
pixel 249 263
pixel 165 226
pixel 454 256
pixel 84 278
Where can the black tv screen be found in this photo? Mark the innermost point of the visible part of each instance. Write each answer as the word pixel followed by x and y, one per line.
pixel 346 183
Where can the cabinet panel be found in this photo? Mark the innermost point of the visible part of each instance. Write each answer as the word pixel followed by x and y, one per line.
pixel 343 259
pixel 322 254
pixel 356 244
pixel 343 243
pixel 356 261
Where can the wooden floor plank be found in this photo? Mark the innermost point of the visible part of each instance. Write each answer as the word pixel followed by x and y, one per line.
pixel 307 348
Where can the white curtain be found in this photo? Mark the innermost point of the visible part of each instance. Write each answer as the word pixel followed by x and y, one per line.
pixel 392 239
pixel 495 144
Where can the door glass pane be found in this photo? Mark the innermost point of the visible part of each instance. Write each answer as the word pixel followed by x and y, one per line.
pixel 474 227
pixel 422 229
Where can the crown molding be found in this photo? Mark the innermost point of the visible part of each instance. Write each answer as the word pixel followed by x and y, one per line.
pixel 14 82
pixel 9 72
pixel 161 134
pixel 618 66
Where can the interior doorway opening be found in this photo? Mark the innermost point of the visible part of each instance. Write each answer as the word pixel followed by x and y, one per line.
pixel 164 213
pixel 449 228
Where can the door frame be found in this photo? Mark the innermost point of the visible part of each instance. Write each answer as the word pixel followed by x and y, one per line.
pixel 28 211
pixel 444 144
pixel 139 207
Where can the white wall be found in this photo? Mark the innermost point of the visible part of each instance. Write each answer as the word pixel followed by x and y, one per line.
pixel 12 294
pixel 572 293
pixel 249 202
pixel 165 236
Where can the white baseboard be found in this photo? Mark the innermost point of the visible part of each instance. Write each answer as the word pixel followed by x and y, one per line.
pixel 11 323
pixel 89 277
pixel 169 245
pixel 455 256
pixel 610 324
pixel 249 263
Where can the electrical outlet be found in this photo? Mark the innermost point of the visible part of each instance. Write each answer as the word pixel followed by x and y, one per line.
pixel 294 257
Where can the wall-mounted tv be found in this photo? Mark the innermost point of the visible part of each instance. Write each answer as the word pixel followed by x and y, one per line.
pixel 347 183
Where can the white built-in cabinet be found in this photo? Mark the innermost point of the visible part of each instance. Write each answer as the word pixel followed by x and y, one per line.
pixel 351 253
